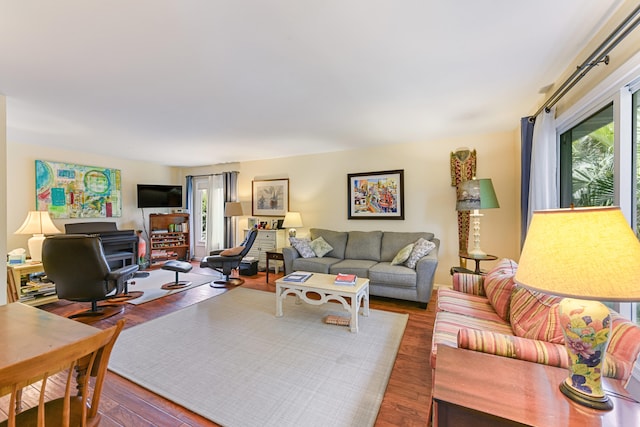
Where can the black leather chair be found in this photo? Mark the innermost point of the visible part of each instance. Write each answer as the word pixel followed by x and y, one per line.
pixel 77 265
pixel 225 264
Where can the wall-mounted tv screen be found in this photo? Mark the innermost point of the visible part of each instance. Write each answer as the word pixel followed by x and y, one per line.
pixel 159 196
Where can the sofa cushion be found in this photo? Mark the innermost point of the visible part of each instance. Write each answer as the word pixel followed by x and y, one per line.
pixel 469 283
pixel 364 245
pixel 535 315
pixel 320 247
pixel 302 246
pixel 397 276
pixel 359 267
pixel 402 255
pixel 337 240
pixel 498 285
pixel 466 304
pixel 420 249
pixel 515 347
pixel 447 325
pixel 393 241
pixel 314 265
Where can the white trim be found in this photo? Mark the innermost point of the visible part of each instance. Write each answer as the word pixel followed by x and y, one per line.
pixel 623 151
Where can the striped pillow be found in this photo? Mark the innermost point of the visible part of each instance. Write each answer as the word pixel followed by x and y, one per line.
pixel 498 285
pixel 535 315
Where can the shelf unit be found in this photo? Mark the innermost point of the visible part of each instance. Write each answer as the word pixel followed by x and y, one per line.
pixel 169 238
pixel 18 280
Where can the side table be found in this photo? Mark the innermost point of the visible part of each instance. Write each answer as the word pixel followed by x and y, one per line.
pixel 276 255
pixel 482 390
pixel 477 259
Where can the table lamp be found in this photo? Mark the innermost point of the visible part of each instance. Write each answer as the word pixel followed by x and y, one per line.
pixel 291 221
pixel 586 255
pixel 473 195
pixel 232 209
pixel 38 223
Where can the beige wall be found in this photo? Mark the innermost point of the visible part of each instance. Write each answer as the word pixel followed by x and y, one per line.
pixel 21 185
pixel 318 189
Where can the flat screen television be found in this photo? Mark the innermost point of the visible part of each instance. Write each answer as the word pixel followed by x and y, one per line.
pixel 159 196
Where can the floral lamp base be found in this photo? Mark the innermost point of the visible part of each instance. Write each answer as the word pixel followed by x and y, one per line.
pixel 586 326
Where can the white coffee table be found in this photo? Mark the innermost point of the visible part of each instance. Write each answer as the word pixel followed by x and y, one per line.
pixel 322 284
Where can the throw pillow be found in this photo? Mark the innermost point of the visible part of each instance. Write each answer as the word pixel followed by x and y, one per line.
pixel 421 248
pixel 498 284
pixel 535 315
pixel 302 246
pixel 402 255
pixel 320 247
pixel 232 251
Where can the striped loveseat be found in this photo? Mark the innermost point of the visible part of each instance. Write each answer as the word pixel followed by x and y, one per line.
pixel 492 314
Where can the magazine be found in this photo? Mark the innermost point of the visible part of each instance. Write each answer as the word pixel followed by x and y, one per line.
pixel 298 277
pixel 345 279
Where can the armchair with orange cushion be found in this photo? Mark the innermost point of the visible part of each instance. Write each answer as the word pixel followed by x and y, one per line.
pixel 226 260
pixel 494 315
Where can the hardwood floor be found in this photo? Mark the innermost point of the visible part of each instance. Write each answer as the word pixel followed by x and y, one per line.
pixel 406 402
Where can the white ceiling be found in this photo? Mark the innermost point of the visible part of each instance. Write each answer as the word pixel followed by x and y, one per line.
pixel 200 82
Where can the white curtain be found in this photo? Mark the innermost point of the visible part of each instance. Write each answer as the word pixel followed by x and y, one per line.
pixel 215 213
pixel 543 185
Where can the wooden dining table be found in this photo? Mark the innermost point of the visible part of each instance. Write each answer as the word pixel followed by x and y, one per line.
pixel 26 332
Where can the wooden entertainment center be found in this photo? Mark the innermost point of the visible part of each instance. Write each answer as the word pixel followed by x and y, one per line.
pixel 169 237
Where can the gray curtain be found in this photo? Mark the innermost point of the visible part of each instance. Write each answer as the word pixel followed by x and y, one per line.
pixel 230 195
pixel 188 203
pixel 526 140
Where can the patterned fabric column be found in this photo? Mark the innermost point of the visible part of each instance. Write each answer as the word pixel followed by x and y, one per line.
pixel 463 168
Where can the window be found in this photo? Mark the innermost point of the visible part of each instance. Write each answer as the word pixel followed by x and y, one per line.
pixel 599 164
pixel 586 162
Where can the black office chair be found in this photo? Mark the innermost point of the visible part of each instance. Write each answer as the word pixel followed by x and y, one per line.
pixel 79 269
pixel 225 264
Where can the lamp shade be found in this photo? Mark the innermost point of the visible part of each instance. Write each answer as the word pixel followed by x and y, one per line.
pixel 37 222
pixel 233 209
pixel 292 220
pixel 476 194
pixel 587 253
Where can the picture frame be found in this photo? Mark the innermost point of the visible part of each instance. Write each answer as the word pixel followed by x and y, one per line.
pixel 376 195
pixel 270 197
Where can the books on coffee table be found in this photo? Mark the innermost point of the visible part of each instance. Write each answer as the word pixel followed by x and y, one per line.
pixel 298 277
pixel 345 279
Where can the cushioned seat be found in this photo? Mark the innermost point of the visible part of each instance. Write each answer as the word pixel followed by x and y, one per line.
pixel 178 267
pixel 77 265
pixel 227 260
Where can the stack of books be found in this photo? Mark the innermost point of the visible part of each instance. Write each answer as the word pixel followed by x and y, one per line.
pixel 298 277
pixel 345 279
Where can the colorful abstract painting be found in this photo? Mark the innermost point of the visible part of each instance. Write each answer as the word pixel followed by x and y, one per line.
pixel 376 195
pixel 75 191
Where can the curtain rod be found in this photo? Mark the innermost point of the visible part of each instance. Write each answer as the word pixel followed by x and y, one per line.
pixel 211 174
pixel 601 54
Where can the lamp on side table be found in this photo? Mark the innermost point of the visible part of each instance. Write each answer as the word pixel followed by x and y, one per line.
pixel 587 255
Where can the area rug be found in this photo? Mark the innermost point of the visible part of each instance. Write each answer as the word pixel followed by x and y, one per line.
pixel 151 285
pixel 232 361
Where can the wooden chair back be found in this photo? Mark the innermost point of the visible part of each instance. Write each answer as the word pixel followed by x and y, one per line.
pixel 86 358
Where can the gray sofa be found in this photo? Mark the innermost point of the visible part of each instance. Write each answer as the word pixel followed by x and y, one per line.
pixel 369 254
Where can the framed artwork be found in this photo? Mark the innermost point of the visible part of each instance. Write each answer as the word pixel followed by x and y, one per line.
pixel 67 190
pixel 376 195
pixel 270 197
